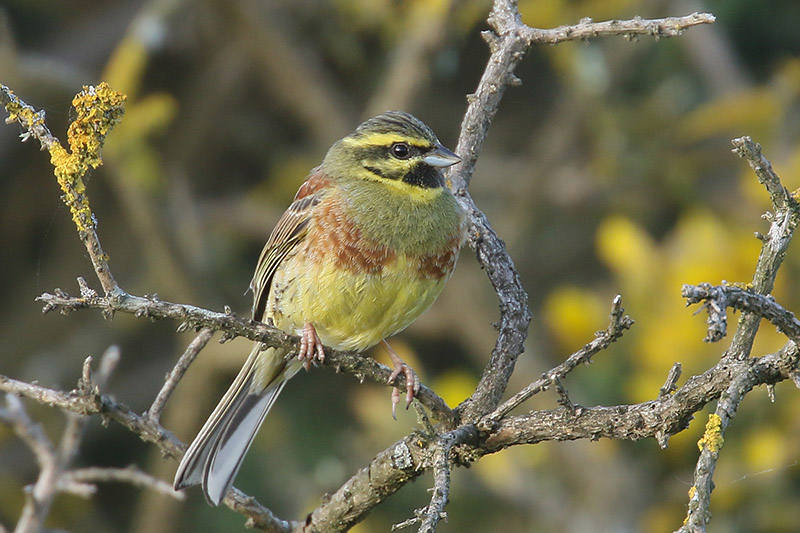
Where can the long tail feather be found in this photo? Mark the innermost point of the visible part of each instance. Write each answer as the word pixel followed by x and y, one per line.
pixel 215 456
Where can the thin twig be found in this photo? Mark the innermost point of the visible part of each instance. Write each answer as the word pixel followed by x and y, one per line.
pixel 670 386
pixel 130 475
pixel 587 29
pixel 751 151
pixel 619 323
pixel 672 380
pixel 177 372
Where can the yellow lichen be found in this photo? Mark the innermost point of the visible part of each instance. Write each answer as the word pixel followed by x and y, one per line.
pixel 712 439
pixel 98 110
pixel 692 495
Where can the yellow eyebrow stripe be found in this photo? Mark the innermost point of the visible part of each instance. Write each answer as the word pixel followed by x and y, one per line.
pixel 386 139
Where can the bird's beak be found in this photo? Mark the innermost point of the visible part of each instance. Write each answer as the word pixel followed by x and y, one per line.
pixel 441 157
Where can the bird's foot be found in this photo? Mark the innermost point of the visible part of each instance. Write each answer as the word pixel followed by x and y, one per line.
pixel 412 381
pixel 310 347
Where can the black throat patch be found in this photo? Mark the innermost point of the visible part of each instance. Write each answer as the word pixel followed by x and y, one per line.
pixel 425 176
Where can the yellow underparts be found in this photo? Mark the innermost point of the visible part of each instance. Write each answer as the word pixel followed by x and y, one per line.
pixel 351 310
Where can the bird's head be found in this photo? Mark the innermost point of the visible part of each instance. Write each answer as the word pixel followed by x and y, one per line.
pixel 394 148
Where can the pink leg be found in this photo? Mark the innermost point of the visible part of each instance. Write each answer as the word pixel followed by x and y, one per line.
pixel 310 347
pixel 412 381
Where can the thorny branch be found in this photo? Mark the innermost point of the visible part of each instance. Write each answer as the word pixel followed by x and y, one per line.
pixel 478 426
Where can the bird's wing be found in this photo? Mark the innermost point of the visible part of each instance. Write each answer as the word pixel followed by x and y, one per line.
pixel 288 233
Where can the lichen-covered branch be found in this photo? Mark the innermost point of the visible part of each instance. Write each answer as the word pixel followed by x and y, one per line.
pixel 98 110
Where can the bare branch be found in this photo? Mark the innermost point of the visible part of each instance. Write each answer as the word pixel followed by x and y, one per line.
pixel 80 402
pixel 390 470
pixel 718 298
pixel 441 475
pixel 783 222
pixel 756 304
pixel 588 29
pixel 508 43
pixel 670 414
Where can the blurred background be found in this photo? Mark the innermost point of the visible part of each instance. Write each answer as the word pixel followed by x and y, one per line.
pixel 608 171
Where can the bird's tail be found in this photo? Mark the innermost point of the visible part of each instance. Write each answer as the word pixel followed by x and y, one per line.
pixel 215 455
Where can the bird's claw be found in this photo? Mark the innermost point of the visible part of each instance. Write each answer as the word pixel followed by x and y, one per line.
pixel 311 347
pixel 412 381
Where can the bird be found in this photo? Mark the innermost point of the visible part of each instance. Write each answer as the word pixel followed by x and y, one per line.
pixel 365 247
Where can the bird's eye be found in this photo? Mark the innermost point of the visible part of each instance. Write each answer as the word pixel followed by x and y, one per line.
pixel 401 150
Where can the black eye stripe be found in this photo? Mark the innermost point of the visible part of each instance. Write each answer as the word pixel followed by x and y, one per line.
pixel 373 152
